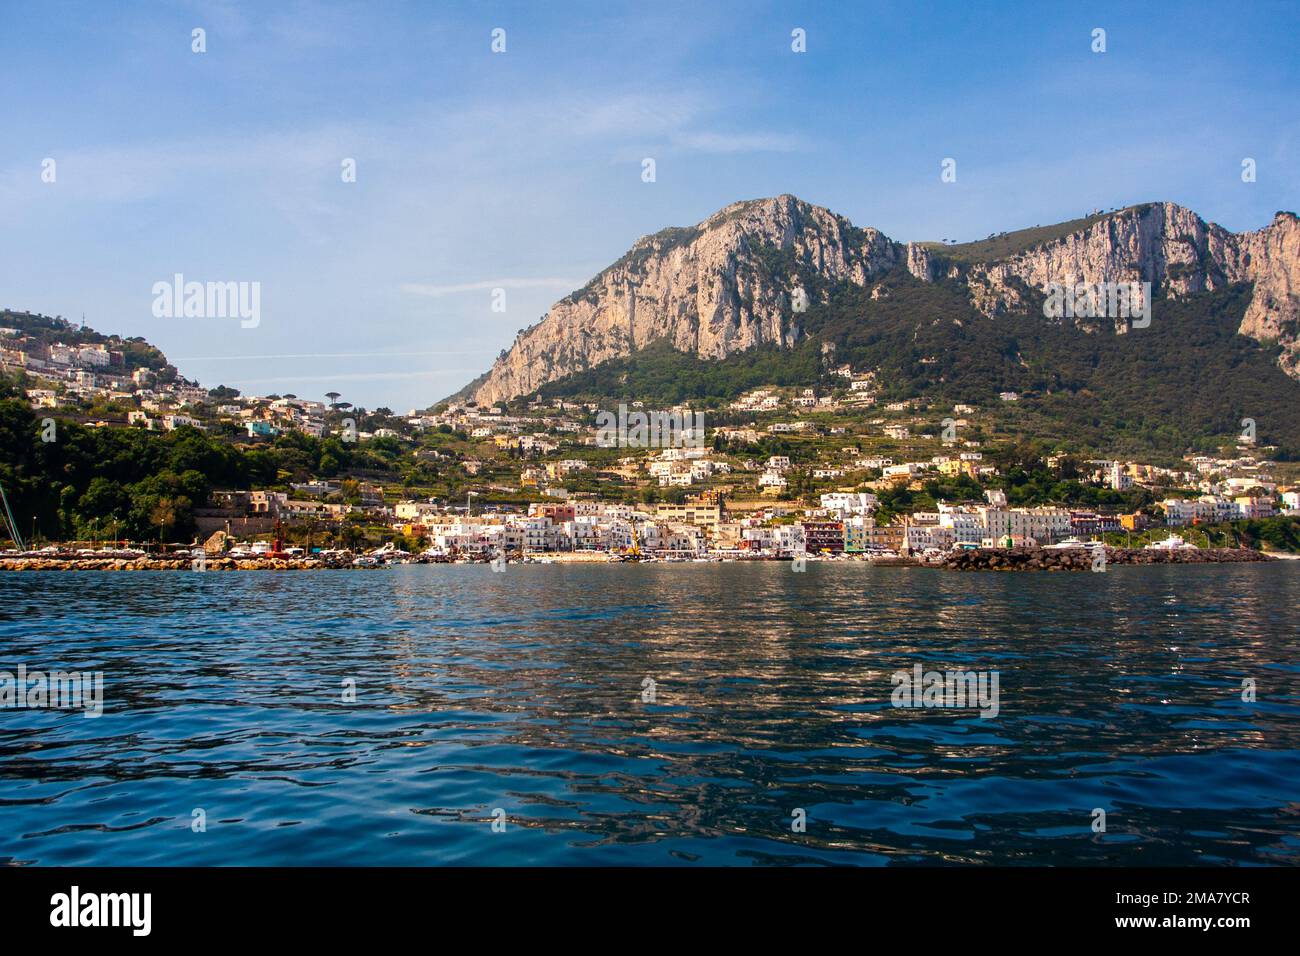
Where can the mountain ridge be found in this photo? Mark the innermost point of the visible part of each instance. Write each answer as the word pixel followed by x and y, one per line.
pixel 728 283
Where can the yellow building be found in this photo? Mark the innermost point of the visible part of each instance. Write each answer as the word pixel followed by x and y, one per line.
pixel 697 513
pixel 955 466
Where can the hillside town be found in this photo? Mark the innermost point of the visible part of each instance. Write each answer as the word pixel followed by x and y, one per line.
pixel 835 471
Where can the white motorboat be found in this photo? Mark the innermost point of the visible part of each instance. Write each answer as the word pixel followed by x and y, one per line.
pixel 1172 543
pixel 1067 543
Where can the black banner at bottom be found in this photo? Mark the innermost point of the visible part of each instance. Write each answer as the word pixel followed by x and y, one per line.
pixel 335 905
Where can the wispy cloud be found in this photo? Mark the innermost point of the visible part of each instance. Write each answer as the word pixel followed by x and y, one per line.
pixel 414 288
pixel 320 355
pixel 477 171
pixel 711 142
pixel 279 380
pixel 144 171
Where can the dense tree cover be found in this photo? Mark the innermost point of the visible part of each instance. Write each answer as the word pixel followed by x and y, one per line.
pixel 1281 533
pixel 1186 382
pixel 1278 534
pixel 1186 378
pixel 141 484
pixel 664 376
pixel 138 483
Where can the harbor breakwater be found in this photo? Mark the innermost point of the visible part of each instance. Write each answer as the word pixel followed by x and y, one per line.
pixel 983 559
pixel 1081 559
pixel 148 563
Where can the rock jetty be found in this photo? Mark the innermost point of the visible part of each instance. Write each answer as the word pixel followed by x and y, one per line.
pixel 1080 559
pixel 148 563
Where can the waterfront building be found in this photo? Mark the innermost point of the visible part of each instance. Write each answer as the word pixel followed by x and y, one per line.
pixel 824 536
pixel 702 514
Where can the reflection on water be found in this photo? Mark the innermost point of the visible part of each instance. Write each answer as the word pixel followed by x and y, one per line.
pixel 523 691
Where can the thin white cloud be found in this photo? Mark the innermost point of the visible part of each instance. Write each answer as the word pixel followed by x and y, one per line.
pixel 137 172
pixel 708 142
pixel 440 290
pixel 356 376
pixel 319 355
pixel 635 114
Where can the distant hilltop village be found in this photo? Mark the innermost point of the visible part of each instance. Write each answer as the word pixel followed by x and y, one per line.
pixel 65 366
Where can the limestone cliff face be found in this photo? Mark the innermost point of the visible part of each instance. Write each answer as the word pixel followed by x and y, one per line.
pixel 1270 258
pixel 1155 243
pixel 718 288
pixel 709 290
pixel 1178 253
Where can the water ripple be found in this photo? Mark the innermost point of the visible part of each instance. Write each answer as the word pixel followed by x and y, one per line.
pixel 481 697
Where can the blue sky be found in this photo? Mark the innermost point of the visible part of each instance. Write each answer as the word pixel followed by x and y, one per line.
pixel 523 169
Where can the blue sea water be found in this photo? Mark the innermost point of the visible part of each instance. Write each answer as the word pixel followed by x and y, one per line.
pixel 519 697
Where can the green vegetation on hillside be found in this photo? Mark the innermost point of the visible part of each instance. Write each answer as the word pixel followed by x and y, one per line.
pixel 1187 378
pixel 1186 382
pixel 138 482
pixel 662 375
pixel 1006 244
pixel 142 485
pixel 1281 533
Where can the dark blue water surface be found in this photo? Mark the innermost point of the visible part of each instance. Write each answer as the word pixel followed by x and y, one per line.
pixel 522 691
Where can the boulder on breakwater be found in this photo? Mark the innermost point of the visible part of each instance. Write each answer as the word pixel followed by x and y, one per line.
pixel 148 563
pixel 1080 559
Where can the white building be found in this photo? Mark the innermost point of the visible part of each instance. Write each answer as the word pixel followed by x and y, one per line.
pixel 850 503
pixel 172 422
pixel 1025 525
pixel 93 356
pixel 968 527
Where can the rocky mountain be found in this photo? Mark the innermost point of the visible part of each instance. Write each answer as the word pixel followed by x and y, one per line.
pixel 1167 245
pixel 736 280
